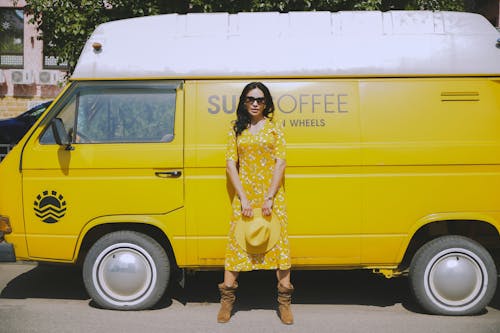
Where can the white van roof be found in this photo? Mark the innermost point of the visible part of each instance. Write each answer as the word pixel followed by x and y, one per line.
pixel 295 44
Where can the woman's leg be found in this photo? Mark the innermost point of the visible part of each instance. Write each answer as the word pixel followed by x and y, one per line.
pixel 283 277
pixel 230 278
pixel 285 291
pixel 227 296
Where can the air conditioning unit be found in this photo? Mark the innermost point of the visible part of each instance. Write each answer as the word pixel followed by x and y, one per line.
pixel 22 77
pixel 48 77
pixel 2 77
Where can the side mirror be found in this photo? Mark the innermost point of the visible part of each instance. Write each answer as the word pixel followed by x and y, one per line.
pixel 60 134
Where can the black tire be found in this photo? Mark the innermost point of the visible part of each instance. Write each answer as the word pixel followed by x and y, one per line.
pixel 453 275
pixel 126 270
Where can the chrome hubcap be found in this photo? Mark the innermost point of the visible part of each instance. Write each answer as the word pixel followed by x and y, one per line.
pixel 455 278
pixel 125 274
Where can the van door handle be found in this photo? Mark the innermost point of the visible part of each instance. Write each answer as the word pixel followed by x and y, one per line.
pixel 168 174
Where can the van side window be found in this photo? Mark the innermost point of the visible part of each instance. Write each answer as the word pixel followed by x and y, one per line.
pixel 125 115
pixel 118 114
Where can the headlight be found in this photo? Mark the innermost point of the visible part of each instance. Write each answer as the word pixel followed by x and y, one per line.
pixel 5 225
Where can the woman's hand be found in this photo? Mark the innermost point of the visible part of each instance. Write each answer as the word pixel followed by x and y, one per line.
pixel 267 207
pixel 246 208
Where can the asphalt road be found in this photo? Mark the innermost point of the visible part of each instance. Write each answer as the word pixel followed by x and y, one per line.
pixel 45 298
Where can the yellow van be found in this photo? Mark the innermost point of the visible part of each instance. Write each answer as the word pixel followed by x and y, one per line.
pixel 392 123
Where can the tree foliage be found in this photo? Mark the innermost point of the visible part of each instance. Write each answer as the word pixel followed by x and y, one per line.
pixel 65 25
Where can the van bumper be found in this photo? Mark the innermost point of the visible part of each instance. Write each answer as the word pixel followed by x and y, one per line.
pixel 7 252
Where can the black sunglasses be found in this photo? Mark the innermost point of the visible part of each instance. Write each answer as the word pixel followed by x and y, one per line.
pixel 259 100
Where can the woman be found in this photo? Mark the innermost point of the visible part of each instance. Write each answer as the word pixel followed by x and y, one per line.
pixel 255 163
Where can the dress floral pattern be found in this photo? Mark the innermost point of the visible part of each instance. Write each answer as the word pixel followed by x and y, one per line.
pixel 256 156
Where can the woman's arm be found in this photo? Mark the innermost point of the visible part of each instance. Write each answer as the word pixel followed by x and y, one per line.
pixel 232 172
pixel 277 180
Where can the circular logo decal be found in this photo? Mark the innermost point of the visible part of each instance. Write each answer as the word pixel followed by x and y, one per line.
pixel 50 207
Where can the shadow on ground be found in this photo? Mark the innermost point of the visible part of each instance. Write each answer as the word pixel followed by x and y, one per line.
pixel 257 289
pixel 47 281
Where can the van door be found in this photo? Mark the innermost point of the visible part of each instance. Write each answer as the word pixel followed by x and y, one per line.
pixel 125 158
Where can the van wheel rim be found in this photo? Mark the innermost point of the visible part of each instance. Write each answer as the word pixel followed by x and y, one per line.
pixel 455 279
pixel 124 274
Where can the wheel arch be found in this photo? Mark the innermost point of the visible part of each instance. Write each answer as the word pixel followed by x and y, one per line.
pixel 480 229
pixel 143 225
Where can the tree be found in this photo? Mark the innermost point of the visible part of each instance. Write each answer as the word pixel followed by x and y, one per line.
pixel 65 25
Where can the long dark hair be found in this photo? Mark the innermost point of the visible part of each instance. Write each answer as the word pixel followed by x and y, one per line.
pixel 242 116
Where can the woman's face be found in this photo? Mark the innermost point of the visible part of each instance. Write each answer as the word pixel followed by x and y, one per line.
pixel 255 103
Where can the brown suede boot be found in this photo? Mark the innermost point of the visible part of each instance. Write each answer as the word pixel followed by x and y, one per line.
pixel 285 300
pixel 227 298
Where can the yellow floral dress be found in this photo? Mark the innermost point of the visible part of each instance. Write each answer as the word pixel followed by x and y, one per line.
pixel 256 156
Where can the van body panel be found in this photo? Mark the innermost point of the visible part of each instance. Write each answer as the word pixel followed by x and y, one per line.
pixel 62 247
pixel 111 178
pixel 432 148
pixel 11 203
pixel 381 249
pixel 430 121
pixel 321 123
pixel 367 190
pixel 361 177
pixel 320 119
pixel 401 196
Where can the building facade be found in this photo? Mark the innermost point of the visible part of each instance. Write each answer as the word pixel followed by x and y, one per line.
pixel 29 77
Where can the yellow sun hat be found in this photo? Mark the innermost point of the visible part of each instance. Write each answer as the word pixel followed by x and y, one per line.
pixel 257 234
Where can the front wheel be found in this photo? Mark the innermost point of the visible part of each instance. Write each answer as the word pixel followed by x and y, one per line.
pixel 126 270
pixel 453 275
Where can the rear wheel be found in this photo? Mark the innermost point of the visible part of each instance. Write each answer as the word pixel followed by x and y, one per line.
pixel 453 275
pixel 126 270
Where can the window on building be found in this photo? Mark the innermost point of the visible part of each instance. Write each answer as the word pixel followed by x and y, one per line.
pixel 11 38
pixel 51 62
